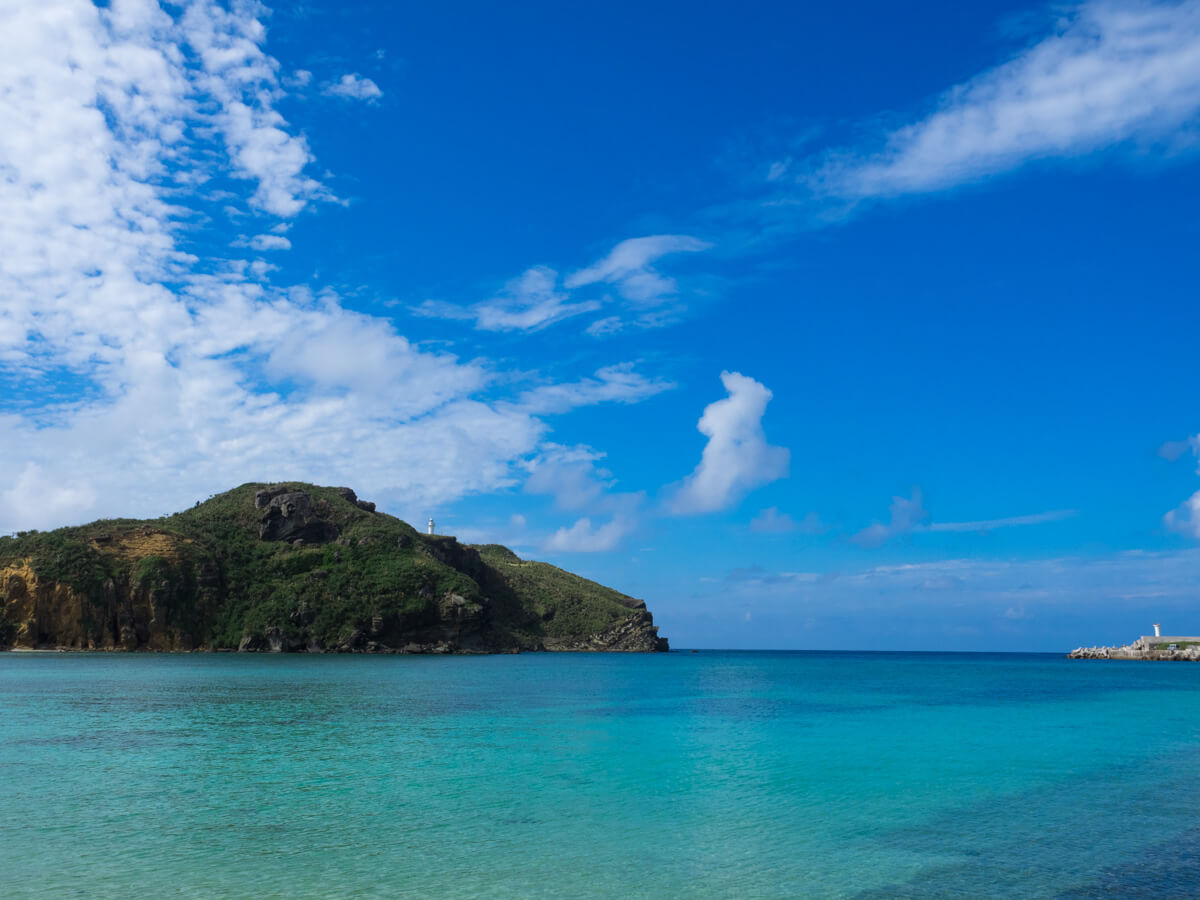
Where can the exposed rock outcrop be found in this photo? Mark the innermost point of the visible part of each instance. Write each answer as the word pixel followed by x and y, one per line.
pixel 637 634
pixel 292 516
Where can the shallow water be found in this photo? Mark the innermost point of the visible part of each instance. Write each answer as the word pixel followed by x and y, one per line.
pixel 710 774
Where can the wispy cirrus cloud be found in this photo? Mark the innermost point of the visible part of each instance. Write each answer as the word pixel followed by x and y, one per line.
pixel 1052 603
pixel 907 515
pixel 621 383
pixel 1111 74
pixel 629 269
pixel 530 302
pixel 538 298
pixel 1054 515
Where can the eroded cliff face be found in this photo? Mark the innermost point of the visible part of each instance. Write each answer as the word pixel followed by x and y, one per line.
pixel 293 568
pixel 637 634
pixel 159 605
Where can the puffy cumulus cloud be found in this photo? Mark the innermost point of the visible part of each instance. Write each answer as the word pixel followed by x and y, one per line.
pixel 737 457
pixel 1111 73
pixel 145 378
pixel 627 267
pixel 269 242
pixel 584 537
pixel 353 87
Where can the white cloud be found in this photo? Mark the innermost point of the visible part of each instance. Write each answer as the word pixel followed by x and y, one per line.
pixel 236 75
pixel 528 303
pixel 628 267
pixel 621 383
pixel 1054 515
pixel 569 474
pixel 1112 73
pixel 536 300
pixel 269 242
pixel 1185 519
pixel 353 87
pixel 48 496
pixel 737 457
pixel 200 374
pixel 584 537
pixel 605 326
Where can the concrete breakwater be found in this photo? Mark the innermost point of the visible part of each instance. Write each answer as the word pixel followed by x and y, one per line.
pixel 1151 647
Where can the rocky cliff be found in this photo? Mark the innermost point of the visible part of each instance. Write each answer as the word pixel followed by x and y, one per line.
pixel 297 567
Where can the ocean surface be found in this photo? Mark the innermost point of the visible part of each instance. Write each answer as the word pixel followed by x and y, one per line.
pixel 711 774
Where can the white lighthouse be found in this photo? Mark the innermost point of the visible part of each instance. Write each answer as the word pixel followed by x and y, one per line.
pixel 1157 627
pixel 431 526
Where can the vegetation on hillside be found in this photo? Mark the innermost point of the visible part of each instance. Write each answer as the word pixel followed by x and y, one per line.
pixel 206 578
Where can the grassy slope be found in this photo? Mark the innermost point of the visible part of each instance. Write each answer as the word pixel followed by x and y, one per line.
pixel 388 573
pixel 567 604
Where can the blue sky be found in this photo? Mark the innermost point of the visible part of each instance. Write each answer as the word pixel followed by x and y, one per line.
pixel 854 327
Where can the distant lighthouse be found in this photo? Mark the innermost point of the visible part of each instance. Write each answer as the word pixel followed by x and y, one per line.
pixel 431 526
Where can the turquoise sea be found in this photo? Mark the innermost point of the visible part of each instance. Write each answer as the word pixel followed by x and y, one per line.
pixel 712 774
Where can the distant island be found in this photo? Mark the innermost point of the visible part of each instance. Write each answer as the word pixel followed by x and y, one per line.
pixel 297 568
pixel 1155 646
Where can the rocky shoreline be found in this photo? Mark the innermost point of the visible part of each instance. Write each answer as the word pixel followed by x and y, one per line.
pixel 1154 649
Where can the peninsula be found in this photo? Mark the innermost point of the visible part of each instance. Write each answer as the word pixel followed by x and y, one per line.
pixel 297 568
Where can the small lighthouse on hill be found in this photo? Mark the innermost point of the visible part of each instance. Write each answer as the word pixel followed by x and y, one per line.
pixel 431 526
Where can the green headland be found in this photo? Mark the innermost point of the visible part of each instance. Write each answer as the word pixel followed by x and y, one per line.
pixel 297 567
